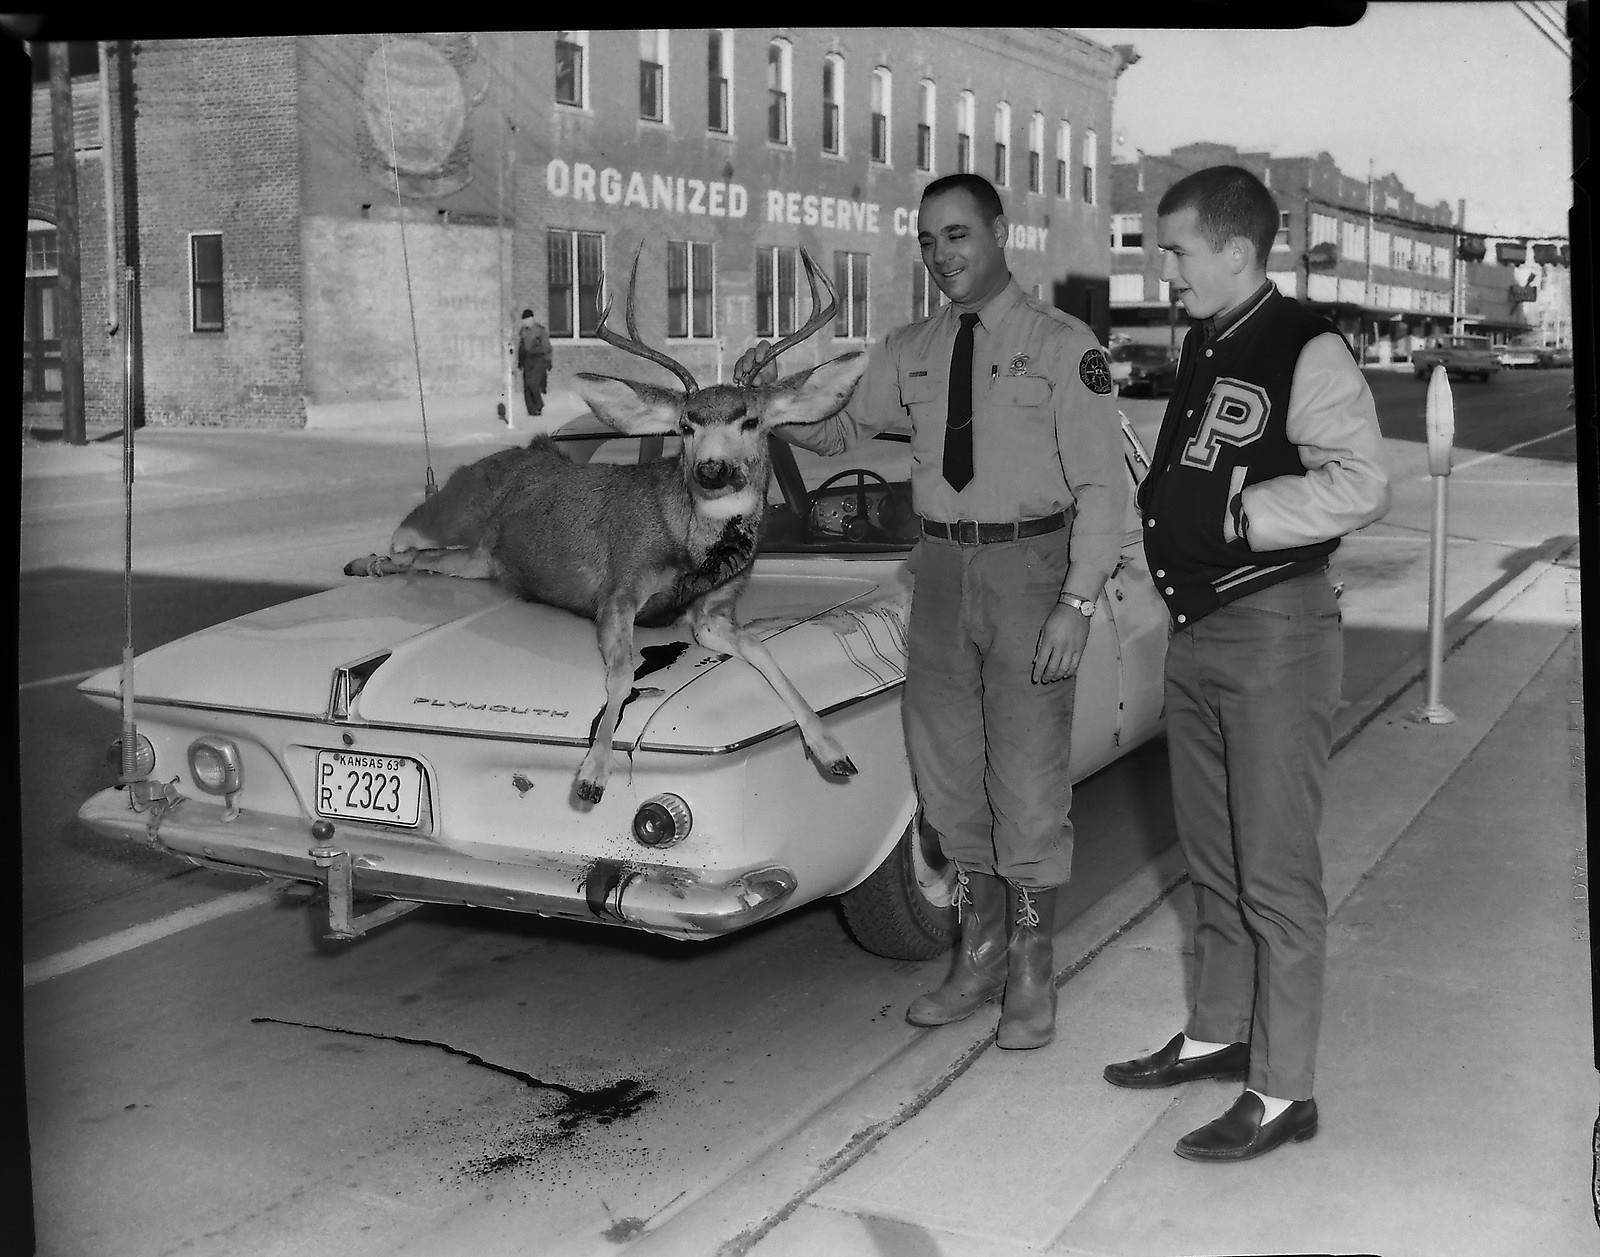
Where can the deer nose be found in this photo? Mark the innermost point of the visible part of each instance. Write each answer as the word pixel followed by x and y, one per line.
pixel 715 473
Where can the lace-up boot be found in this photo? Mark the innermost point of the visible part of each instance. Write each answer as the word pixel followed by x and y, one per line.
pixel 1028 1015
pixel 979 972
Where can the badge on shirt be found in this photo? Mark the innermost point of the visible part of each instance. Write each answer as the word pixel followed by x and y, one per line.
pixel 1019 364
pixel 1094 372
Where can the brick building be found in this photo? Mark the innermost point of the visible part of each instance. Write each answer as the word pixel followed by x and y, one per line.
pixel 294 206
pixel 1386 268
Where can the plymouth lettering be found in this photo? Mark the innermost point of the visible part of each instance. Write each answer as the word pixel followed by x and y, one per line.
pixel 498 708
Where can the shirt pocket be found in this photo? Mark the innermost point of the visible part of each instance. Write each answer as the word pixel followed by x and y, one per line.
pixel 920 387
pixel 1022 391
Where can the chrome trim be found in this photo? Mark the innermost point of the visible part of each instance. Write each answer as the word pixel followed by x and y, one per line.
pixel 486 736
pixel 678 902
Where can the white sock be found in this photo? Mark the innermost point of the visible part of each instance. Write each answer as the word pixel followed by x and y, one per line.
pixel 1274 1107
pixel 1198 1047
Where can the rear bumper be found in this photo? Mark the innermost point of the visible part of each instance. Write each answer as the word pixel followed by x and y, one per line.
pixel 677 902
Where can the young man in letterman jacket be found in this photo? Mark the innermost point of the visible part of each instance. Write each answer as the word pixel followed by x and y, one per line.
pixel 1269 452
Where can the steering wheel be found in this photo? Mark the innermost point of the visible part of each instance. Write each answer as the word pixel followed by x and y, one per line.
pixel 857 526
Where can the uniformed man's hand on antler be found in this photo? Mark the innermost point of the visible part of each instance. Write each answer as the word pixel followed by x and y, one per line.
pixel 741 369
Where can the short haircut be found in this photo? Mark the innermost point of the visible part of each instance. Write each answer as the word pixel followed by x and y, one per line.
pixel 1228 201
pixel 983 192
pixel 527 314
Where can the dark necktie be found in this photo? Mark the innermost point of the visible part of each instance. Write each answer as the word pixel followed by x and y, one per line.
pixel 958 425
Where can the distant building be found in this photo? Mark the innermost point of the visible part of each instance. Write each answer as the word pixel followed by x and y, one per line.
pixel 294 206
pixel 1384 267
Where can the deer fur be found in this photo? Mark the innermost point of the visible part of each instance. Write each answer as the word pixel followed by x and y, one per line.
pixel 627 544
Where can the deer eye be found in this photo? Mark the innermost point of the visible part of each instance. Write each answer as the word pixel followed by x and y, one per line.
pixel 750 424
pixel 685 429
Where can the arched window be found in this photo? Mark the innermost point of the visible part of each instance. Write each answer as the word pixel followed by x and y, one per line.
pixel 780 81
pixel 833 103
pixel 965 113
pixel 926 104
pixel 1002 145
pixel 882 99
pixel 1036 153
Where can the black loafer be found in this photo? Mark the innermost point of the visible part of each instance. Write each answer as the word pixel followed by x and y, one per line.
pixel 1164 1069
pixel 1240 1134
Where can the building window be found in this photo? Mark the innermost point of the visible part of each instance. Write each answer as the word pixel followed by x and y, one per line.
pixel 576 266
pixel 965 115
pixel 690 299
pixel 1324 230
pixel 653 75
pixel 832 103
pixel 1036 153
pixel 780 67
pixel 719 83
pixel 1002 145
pixel 1127 288
pixel 1127 232
pixel 850 272
pixel 776 269
pixel 882 97
pixel 926 101
pixel 1282 239
pixel 925 295
pixel 571 52
pixel 43 255
pixel 205 282
pixel 1353 239
pixel 1064 160
pixel 1089 157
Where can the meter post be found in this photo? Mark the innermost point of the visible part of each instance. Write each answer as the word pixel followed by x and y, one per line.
pixel 1441 426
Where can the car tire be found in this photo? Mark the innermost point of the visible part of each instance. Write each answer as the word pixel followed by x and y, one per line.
pixel 906 909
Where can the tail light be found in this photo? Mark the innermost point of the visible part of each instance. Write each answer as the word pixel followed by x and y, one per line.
pixel 144 757
pixel 662 820
pixel 215 765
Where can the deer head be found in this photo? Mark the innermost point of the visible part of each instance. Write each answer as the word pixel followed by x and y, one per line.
pixel 725 426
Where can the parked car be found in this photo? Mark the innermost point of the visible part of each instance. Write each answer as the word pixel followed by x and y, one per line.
pixel 1139 368
pixel 1512 357
pixel 415 738
pixel 1557 356
pixel 1469 357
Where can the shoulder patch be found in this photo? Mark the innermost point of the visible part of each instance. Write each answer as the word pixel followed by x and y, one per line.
pixel 1094 372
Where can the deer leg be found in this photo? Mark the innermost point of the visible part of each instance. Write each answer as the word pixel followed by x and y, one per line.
pixel 715 628
pixel 469 563
pixel 614 627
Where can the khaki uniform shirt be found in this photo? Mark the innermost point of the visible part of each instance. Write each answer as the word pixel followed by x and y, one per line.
pixel 1045 431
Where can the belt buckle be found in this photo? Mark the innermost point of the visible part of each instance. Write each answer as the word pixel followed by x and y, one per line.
pixel 965 531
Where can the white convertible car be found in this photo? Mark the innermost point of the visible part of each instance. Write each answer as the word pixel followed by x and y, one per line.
pixel 415 739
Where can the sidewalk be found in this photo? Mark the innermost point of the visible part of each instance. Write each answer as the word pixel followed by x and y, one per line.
pixel 1457 1083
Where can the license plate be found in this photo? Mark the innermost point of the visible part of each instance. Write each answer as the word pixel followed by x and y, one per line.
pixel 383 788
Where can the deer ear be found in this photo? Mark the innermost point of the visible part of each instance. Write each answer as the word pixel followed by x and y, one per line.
pixel 815 393
pixel 629 407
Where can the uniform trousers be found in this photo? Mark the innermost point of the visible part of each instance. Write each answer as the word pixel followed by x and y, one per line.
pixel 1251 690
pixel 988 747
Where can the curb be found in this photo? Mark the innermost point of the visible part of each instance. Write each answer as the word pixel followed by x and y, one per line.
pixel 731 1217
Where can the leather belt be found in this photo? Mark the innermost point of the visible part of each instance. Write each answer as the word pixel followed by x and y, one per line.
pixel 971 532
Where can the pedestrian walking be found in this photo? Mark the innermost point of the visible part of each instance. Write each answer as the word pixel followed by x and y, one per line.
pixel 1269 452
pixel 533 360
pixel 1018 477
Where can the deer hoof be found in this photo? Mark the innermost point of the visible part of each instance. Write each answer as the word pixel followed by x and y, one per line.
pixel 591 791
pixel 372 565
pixel 842 768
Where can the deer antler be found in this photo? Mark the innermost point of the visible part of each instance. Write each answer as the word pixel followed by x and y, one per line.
pixel 819 318
pixel 636 345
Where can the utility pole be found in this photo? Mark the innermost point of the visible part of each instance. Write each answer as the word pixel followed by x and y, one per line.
pixel 69 289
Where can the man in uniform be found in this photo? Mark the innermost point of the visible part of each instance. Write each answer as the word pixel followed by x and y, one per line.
pixel 533 360
pixel 1269 452
pixel 1018 475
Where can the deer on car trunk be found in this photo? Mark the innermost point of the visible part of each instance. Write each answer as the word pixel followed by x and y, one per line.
pixel 646 543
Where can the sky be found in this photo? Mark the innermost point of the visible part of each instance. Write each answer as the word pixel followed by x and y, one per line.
pixel 1458 100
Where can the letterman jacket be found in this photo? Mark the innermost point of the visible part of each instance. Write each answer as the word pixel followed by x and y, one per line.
pixel 1269 452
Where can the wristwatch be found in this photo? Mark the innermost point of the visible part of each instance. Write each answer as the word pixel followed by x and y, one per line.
pixel 1083 606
